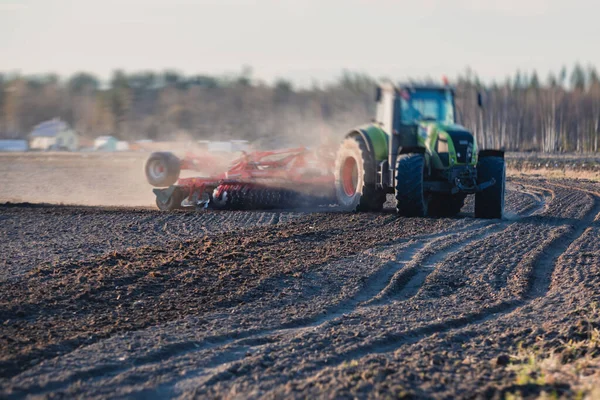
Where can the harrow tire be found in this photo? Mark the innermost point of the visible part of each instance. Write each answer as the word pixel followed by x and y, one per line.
pixel 162 169
pixel 355 174
pixel 221 202
pixel 174 201
pixel 410 199
pixel 489 203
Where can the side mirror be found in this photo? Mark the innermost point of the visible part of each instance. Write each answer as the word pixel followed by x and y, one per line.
pixel 479 100
pixel 378 94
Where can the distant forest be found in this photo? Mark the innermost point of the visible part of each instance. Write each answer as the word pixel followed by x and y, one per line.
pixel 560 113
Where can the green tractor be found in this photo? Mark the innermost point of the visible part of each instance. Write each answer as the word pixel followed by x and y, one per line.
pixel 416 151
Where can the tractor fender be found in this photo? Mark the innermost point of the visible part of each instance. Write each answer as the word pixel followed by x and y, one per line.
pixel 360 133
pixel 363 136
pixel 418 150
pixel 376 140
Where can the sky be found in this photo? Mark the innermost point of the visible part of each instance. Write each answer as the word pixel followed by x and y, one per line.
pixel 302 40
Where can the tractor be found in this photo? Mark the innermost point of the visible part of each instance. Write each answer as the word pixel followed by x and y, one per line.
pixel 415 150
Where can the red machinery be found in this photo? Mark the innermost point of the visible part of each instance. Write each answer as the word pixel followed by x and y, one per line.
pixel 257 180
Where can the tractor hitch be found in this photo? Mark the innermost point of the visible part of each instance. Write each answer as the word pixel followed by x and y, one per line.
pixel 485 185
pixel 459 187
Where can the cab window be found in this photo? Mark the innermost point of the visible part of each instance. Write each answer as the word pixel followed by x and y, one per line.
pixel 426 105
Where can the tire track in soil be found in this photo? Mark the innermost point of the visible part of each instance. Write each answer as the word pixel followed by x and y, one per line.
pixel 539 318
pixel 377 285
pixel 219 368
pixel 539 284
pixel 540 280
pixel 407 281
pixel 410 250
pixel 543 196
pixel 394 289
pixel 542 273
pixel 240 342
pixel 412 254
pixel 331 228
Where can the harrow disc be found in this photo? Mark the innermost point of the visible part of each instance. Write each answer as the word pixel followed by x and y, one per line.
pixel 253 197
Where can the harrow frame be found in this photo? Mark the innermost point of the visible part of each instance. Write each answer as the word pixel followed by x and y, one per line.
pixel 261 179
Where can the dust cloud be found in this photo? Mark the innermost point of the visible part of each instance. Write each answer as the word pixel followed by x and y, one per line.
pixel 118 179
pixel 99 179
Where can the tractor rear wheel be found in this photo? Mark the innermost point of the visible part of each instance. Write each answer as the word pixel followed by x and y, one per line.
pixel 489 203
pixel 162 169
pixel 355 173
pixel 410 198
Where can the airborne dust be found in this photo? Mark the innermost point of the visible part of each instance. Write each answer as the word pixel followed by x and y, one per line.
pixel 117 178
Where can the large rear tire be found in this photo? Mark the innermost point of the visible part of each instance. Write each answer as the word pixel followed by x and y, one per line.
pixel 489 203
pixel 410 198
pixel 162 169
pixel 355 173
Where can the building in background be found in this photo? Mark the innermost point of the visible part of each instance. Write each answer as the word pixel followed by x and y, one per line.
pixel 54 134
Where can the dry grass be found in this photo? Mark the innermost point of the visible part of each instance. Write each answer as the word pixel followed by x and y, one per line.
pixel 555 173
pixel 576 366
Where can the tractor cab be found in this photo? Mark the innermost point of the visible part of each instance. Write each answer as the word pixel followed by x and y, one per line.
pixel 408 106
pixel 401 111
pixel 415 105
pixel 416 117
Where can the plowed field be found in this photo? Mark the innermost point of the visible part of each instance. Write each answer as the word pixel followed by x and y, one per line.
pixel 130 302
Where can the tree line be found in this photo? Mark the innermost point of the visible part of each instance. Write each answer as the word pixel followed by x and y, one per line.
pixel 558 114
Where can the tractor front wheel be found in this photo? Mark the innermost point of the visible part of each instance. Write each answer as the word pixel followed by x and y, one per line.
pixel 410 198
pixel 355 173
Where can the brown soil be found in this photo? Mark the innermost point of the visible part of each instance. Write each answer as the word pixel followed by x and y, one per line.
pixel 124 302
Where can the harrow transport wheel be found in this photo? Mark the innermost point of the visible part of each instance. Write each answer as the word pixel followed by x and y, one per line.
pixel 410 199
pixel 489 203
pixel 173 202
pixel 162 169
pixel 355 173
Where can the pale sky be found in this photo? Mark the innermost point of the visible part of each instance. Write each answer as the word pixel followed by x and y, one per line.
pixel 299 39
